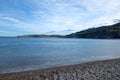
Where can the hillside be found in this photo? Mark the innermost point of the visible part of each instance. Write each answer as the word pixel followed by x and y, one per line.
pixel 104 32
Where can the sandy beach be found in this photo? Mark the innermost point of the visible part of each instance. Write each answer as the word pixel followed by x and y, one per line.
pixel 97 70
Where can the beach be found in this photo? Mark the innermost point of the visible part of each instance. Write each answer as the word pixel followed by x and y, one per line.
pixel 97 70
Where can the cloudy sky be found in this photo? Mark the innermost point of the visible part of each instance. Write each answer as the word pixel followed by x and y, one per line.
pixel 18 17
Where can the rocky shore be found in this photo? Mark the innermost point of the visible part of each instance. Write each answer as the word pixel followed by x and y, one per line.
pixel 98 70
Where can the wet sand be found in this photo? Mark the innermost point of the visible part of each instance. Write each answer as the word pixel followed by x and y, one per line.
pixel 97 70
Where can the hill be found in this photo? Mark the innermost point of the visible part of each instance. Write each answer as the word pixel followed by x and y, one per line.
pixel 103 32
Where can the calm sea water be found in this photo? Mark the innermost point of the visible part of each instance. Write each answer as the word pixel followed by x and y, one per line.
pixel 21 54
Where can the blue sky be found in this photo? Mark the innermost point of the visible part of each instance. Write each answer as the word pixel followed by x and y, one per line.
pixel 18 17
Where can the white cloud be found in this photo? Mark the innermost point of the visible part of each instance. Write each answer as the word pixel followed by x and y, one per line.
pixel 9 19
pixel 102 5
pixel 60 15
pixel 74 12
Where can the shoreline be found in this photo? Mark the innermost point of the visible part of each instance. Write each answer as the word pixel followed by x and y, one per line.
pixel 103 70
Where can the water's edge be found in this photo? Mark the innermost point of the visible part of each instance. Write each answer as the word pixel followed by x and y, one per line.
pixel 108 68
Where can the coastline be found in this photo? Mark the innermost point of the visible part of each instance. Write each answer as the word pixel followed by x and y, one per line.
pixel 97 70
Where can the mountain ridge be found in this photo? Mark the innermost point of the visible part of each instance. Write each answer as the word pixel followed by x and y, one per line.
pixel 103 32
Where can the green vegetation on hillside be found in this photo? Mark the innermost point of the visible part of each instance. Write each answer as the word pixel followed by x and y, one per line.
pixel 104 32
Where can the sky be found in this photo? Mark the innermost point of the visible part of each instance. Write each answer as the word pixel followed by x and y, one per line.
pixel 19 17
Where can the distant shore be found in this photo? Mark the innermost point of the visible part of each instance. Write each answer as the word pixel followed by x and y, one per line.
pixel 97 70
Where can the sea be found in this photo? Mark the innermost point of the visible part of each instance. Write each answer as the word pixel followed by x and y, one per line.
pixel 23 54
